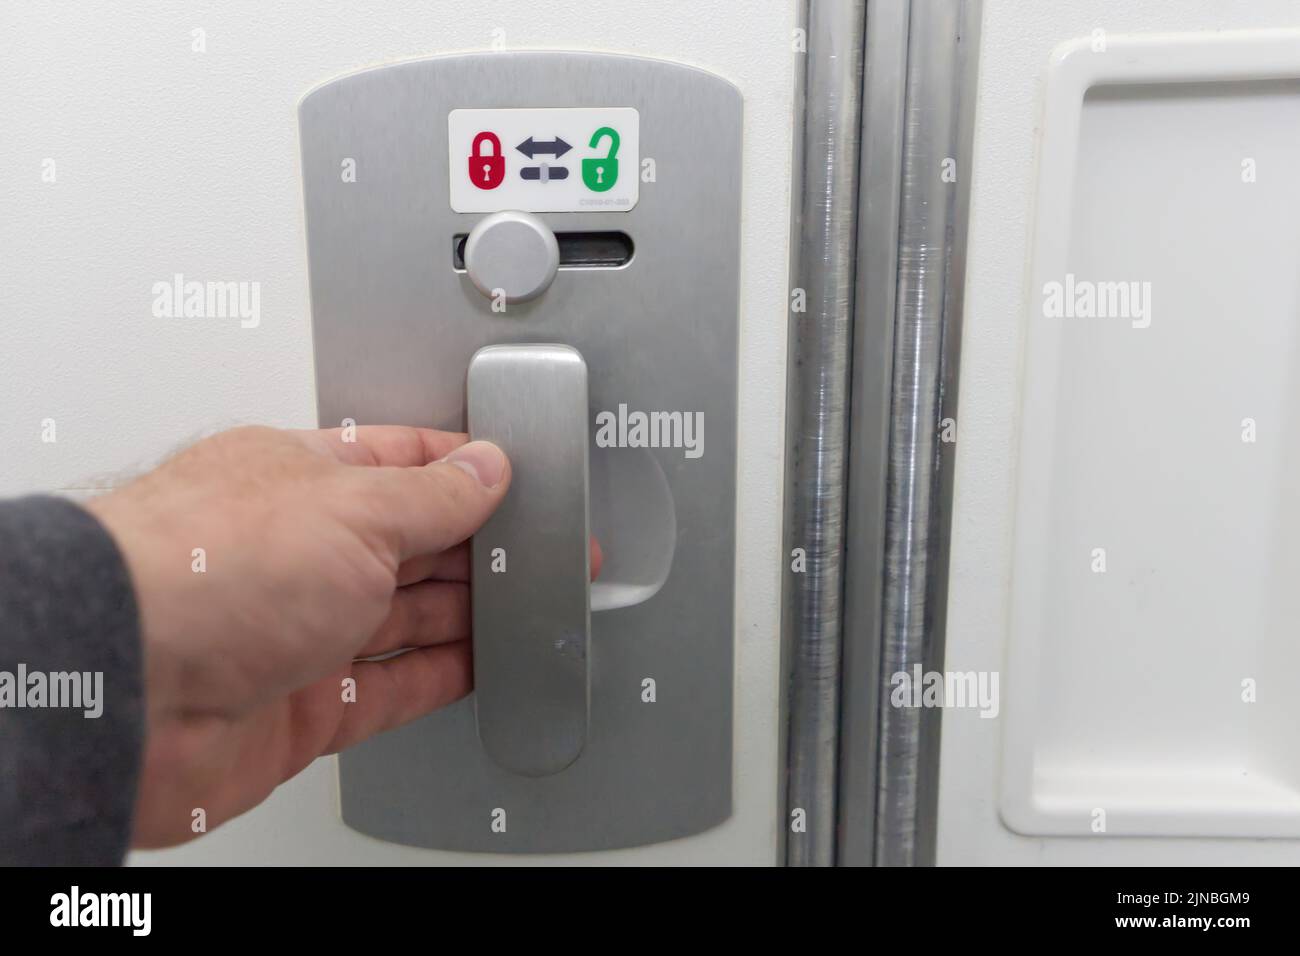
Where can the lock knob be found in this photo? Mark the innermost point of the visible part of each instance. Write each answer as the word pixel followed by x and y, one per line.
pixel 511 255
pixel 486 169
pixel 601 172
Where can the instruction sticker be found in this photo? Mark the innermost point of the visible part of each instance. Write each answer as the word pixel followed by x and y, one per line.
pixel 544 160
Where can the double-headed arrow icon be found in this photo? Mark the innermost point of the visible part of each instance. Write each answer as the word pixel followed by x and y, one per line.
pixel 531 147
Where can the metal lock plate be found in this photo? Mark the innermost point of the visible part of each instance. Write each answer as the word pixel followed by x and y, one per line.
pixel 397 319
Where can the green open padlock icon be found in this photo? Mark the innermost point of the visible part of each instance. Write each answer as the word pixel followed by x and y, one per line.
pixel 601 172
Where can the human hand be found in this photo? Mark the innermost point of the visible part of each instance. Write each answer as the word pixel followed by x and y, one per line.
pixel 315 552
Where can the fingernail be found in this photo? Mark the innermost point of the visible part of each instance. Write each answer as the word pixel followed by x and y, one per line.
pixel 482 460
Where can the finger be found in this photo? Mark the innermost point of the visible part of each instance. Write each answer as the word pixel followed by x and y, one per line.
pixel 396 445
pixel 449 565
pixel 396 691
pixel 453 565
pixel 421 615
pixel 430 509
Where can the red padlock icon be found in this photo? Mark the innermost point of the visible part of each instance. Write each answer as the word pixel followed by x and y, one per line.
pixel 486 170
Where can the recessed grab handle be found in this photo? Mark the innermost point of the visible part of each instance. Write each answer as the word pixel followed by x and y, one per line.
pixel 531 564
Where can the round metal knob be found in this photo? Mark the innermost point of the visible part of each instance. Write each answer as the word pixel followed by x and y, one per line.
pixel 511 253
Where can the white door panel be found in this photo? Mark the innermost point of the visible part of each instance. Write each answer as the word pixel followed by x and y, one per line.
pixel 174 160
pixel 1123 538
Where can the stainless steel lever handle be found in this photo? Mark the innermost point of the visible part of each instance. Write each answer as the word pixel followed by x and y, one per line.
pixel 531 578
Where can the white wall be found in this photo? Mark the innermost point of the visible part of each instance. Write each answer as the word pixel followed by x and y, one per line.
pixel 1018 38
pixel 168 161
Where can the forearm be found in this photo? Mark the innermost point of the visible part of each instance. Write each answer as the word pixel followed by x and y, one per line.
pixel 72 730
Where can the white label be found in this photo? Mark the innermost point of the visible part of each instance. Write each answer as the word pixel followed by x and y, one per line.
pixel 544 160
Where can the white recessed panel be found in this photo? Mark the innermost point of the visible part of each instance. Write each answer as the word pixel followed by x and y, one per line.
pixel 1154 672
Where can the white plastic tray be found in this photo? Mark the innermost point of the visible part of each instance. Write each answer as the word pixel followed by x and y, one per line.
pixel 1124 688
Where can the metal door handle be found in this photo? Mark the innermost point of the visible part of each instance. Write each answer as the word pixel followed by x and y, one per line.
pixel 531 577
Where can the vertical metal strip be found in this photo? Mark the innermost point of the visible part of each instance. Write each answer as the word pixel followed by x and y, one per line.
pixel 964 99
pixel 930 272
pixel 817 402
pixel 884 84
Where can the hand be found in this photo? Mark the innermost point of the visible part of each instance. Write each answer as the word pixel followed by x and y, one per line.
pixel 315 552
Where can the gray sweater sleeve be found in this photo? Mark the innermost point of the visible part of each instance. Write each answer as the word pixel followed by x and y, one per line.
pixel 72 713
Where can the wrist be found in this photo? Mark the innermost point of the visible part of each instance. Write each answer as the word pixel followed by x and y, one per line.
pixel 159 667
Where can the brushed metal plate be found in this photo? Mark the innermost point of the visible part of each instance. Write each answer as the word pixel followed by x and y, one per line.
pixel 394 328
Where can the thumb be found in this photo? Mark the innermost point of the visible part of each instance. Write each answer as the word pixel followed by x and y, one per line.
pixel 427 509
